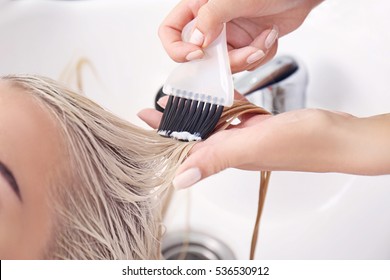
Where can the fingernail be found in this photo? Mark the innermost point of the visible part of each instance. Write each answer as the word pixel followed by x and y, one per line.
pixel 161 103
pixel 197 37
pixel 187 178
pixel 194 55
pixel 257 55
pixel 271 38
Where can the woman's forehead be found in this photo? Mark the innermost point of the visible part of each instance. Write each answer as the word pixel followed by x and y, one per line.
pixel 31 148
pixel 29 136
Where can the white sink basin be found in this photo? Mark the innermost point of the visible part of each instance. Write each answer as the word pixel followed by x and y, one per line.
pixel 344 45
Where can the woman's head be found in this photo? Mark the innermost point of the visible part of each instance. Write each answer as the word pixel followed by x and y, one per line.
pixel 77 182
pixel 29 153
pixel 102 178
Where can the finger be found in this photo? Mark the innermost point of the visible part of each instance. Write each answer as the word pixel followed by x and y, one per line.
pixel 178 50
pixel 239 58
pixel 260 50
pixel 196 168
pixel 171 29
pixel 270 55
pixel 151 117
pixel 239 96
pixel 212 15
pixel 163 101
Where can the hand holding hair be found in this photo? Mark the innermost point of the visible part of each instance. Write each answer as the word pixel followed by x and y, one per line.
pixel 253 28
pixel 311 140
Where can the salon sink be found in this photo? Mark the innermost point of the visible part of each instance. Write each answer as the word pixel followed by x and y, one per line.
pixel 307 215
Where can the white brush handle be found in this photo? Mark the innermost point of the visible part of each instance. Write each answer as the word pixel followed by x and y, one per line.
pixel 208 79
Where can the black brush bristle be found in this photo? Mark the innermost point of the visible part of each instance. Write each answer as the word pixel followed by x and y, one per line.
pixel 182 115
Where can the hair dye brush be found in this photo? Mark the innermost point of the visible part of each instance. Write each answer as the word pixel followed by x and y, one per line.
pixel 198 91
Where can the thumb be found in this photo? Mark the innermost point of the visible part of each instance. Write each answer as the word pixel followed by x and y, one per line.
pixel 199 165
pixel 210 19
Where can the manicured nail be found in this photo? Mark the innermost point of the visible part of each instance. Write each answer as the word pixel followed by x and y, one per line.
pixel 161 102
pixel 271 38
pixel 194 55
pixel 187 178
pixel 257 55
pixel 197 38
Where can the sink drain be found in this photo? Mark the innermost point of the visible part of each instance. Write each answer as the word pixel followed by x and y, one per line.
pixel 194 246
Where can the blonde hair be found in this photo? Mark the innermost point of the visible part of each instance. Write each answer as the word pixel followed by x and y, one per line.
pixel 109 195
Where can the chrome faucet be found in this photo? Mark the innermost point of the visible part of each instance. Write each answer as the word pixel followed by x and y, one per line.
pixel 278 86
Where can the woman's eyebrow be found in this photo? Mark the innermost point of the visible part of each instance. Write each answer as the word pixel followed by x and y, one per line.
pixel 9 177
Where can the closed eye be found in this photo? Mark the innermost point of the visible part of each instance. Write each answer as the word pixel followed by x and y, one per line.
pixel 9 177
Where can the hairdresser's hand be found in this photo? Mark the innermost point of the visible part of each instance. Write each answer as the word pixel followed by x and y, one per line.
pixel 305 140
pixel 253 27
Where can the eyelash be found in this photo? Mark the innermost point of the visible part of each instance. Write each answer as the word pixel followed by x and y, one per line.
pixel 10 179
